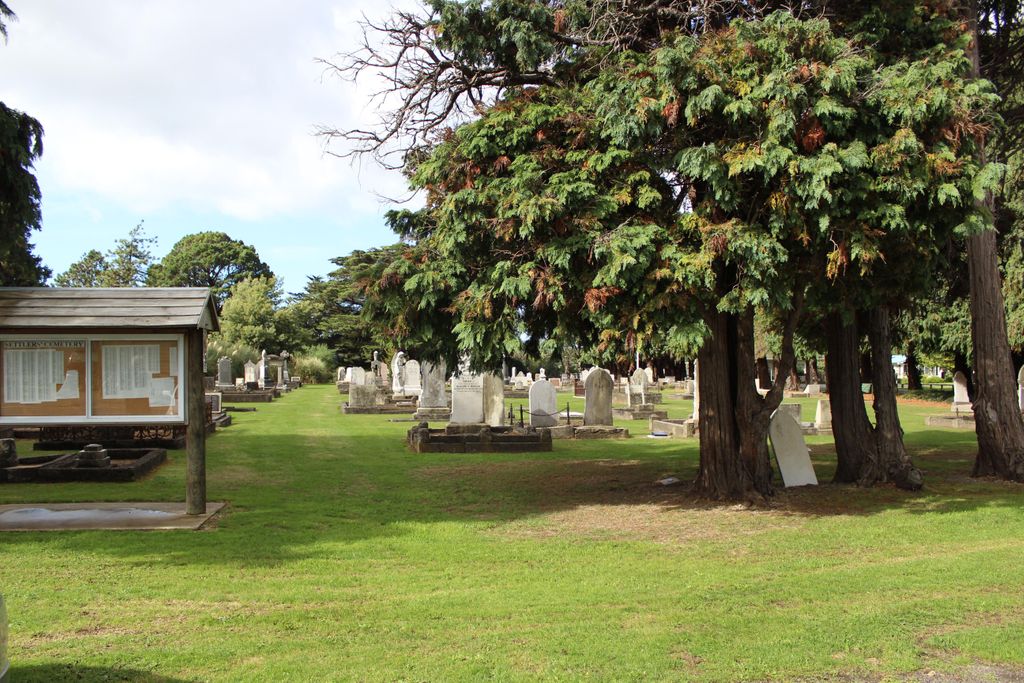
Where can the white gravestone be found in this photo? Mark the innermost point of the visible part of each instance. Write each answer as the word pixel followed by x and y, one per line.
pixel 791 451
pixel 543 404
pixel 467 399
pixel 413 387
pixel 823 415
pixel 597 399
pixel 812 390
pixel 344 374
pixel 696 390
pixel 493 399
pixel 250 372
pixel 961 401
pixel 636 388
pixel 356 376
pixel 1020 389
pixel 650 375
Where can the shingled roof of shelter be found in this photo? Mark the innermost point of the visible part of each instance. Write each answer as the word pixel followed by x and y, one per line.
pixel 89 307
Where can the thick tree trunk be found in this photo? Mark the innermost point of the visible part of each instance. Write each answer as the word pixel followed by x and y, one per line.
pixel 997 417
pixel 813 374
pixel 892 463
pixel 867 370
pixel 764 374
pixel 721 474
pixel 753 412
pixel 913 369
pixel 794 380
pixel 850 425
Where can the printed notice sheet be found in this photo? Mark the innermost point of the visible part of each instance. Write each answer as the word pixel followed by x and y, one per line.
pixel 128 369
pixel 33 375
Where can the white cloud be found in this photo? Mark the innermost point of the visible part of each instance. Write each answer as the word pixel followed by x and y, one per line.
pixel 210 104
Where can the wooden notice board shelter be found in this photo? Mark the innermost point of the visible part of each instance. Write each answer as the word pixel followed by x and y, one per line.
pixel 97 356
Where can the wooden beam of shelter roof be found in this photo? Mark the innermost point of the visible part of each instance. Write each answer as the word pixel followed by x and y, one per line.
pixel 95 307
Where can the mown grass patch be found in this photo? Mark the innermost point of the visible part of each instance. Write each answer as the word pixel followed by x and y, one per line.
pixel 343 556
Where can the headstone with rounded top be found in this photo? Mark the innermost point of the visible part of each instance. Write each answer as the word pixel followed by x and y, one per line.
pixel 413 385
pixel 543 404
pixel 636 388
pixel 598 398
pixel 356 375
pixel 224 378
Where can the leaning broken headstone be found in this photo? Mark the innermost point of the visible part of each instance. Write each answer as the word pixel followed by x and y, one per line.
pixel 791 451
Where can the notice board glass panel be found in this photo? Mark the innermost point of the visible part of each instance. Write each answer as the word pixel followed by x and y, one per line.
pixel 43 377
pixel 136 377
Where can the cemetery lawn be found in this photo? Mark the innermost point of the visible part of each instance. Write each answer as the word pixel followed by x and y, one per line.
pixel 342 556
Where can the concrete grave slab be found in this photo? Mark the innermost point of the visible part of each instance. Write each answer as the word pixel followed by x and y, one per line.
pixel 102 516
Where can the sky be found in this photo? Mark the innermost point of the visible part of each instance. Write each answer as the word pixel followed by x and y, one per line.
pixel 192 116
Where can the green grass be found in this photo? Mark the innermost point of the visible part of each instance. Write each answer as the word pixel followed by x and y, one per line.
pixel 343 556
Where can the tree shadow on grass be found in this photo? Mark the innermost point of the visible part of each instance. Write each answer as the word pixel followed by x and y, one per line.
pixel 291 496
pixel 50 673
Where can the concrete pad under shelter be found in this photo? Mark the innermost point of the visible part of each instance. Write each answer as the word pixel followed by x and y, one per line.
pixel 102 516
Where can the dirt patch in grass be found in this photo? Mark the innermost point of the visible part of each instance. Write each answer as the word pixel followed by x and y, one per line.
pixel 973 673
pixel 621 499
pixel 613 499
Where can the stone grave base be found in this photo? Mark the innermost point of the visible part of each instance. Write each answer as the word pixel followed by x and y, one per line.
pixel 433 414
pixel 58 438
pixel 342 387
pixel 403 408
pixel 962 421
pixel 126 464
pixel 516 393
pixel 221 420
pixel 641 412
pixel 680 429
pixel 477 438
pixel 584 432
pixel 255 396
pixel 653 396
pixel 108 516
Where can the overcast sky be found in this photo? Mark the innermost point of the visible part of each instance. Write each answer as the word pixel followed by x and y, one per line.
pixel 196 115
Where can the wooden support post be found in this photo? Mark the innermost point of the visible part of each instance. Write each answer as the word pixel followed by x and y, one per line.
pixel 195 435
